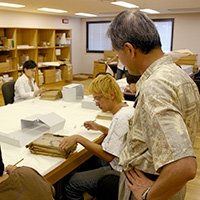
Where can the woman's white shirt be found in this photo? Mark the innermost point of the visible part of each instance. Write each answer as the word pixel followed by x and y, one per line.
pixel 23 89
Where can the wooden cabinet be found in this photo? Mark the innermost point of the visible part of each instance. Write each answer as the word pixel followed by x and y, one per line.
pixel 98 67
pixel 41 45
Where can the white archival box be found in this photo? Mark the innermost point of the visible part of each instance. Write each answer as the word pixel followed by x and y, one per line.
pixel 73 92
pixel 88 102
pixel 33 127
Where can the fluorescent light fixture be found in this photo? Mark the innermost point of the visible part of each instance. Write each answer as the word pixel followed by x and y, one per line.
pixel 124 4
pixel 150 11
pixel 11 5
pixel 86 14
pixel 52 10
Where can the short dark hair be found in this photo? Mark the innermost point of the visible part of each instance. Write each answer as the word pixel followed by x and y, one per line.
pixel 132 78
pixel 1 164
pixel 103 73
pixel 29 64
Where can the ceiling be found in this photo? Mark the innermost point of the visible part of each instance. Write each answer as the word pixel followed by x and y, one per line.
pixel 103 8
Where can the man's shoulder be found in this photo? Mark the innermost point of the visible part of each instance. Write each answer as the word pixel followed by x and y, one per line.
pixel 125 113
pixel 26 170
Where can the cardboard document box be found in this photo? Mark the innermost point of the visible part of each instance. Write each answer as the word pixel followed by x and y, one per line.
pixel 51 121
pixel 73 92
pixel 33 127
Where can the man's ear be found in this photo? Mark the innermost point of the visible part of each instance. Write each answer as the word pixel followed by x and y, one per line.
pixel 113 96
pixel 129 49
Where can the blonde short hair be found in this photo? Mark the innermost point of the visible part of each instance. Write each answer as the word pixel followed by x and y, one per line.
pixel 105 84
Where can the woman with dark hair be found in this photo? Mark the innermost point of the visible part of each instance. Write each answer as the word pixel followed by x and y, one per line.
pixel 25 86
pixel 132 80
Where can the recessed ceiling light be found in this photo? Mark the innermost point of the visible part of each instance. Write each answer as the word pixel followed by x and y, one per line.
pixel 86 14
pixel 124 4
pixel 150 11
pixel 11 5
pixel 52 10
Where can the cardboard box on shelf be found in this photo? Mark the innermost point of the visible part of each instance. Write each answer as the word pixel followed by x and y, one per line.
pixel 42 58
pixel 9 60
pixel 5 63
pixel 8 42
pixel 49 72
pixel 4 67
pixel 49 79
pixel 67 72
pixel 49 76
pixel 3 58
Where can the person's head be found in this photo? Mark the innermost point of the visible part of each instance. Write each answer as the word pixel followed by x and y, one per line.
pixel 134 37
pixel 132 80
pixel 29 68
pixel 135 28
pixel 1 164
pixel 105 91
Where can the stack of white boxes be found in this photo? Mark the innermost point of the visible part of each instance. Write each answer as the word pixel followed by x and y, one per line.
pixel 40 77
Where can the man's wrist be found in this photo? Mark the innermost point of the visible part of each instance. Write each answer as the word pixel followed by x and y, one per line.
pixel 144 195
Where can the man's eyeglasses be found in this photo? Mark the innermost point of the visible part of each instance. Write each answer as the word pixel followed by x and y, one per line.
pixel 97 98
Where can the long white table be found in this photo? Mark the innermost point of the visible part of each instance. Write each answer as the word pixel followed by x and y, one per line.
pixel 52 168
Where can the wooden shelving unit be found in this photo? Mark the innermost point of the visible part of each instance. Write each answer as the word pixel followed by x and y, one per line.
pixel 32 44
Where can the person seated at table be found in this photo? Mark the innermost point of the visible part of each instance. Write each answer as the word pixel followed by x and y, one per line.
pixel 131 80
pixel 25 86
pixel 130 89
pixel 108 97
pixel 23 183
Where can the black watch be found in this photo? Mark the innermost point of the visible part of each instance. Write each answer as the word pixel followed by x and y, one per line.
pixel 144 195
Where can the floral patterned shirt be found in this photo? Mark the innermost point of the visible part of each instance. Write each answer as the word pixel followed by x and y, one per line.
pixel 166 118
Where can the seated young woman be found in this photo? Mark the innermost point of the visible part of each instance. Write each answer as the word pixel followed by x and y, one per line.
pixel 25 86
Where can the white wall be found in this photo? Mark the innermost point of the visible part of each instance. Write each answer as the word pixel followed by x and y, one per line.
pixel 31 20
pixel 186 36
pixel 186 33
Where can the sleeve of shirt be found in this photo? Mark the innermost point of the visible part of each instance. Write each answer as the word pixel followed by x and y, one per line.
pixel 35 87
pixel 113 143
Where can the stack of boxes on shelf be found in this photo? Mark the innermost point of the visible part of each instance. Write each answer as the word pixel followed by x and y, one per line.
pixel 22 59
pixel 58 75
pixel 40 77
pixel 49 75
pixel 5 42
pixel 67 73
pixel 62 39
pixel 6 63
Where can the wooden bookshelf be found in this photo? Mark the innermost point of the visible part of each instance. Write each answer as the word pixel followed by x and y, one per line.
pixel 21 44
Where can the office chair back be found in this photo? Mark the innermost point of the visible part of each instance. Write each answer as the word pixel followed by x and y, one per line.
pixel 8 92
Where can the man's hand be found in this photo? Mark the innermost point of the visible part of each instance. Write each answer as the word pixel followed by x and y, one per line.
pixel 91 125
pixel 68 142
pixel 138 182
pixel 10 168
